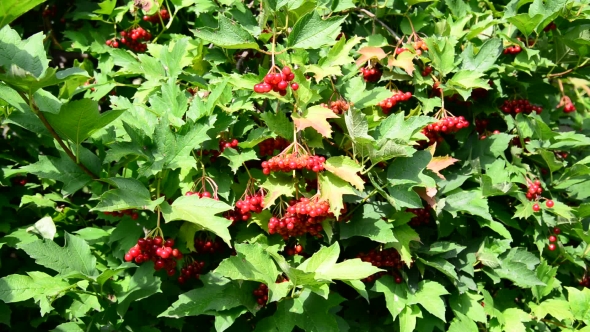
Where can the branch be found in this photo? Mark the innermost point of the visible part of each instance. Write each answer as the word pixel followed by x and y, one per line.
pixel 371 15
pixel 567 71
pixel 61 143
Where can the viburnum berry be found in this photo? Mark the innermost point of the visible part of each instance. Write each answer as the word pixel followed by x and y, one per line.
pixel 514 49
pixel 268 146
pixel 278 81
pixel 552 238
pixel 556 230
pixel 400 50
pixel 163 14
pixel 427 70
pixel 448 125
pixel 337 106
pixel 293 250
pixel 549 203
pixel 191 270
pixel 261 294
pixel 551 246
pixel 388 259
pixel 536 207
pixel 534 190
pixel 133 39
pixel 371 74
pixel 49 11
pixel 520 106
pixel 223 144
pixel 293 157
pixel 209 246
pixel 132 213
pixel 302 216
pixel 567 104
pixel 585 281
pixel 388 103
pixel 550 26
pixel 157 250
pixel 245 206
pixel 422 217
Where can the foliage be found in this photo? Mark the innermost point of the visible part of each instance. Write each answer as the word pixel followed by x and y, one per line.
pixel 275 165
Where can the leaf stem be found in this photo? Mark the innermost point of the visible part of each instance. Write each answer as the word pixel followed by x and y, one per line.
pixel 390 30
pixel 53 133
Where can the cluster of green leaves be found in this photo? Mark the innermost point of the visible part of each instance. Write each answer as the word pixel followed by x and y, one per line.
pixel 115 130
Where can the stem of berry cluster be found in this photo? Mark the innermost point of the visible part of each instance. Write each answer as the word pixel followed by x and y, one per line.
pixel 29 100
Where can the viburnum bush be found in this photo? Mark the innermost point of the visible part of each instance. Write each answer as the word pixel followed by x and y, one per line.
pixel 279 165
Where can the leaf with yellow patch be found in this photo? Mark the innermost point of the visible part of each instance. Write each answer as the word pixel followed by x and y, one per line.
pixel 315 117
pixel 427 194
pixel 277 185
pixel 345 168
pixel 368 53
pixel 403 60
pixel 320 71
pixel 332 188
pixel 437 164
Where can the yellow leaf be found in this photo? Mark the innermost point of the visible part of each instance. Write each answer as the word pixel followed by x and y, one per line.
pixel 368 53
pixel 346 169
pixel 315 117
pixel 437 164
pixel 332 188
pixel 404 60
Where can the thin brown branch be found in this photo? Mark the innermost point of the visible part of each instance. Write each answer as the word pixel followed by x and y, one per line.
pixel 371 15
pixel 567 71
pixel 53 133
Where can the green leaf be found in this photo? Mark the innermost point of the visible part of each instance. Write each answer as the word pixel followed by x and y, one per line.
pixel 514 319
pixel 202 212
pixel 130 194
pixel 176 59
pixel 485 58
pixel 367 222
pixel 550 160
pixel 470 202
pixel 396 295
pixel 404 234
pixel 332 189
pixel 228 35
pixel 252 262
pixel 142 284
pixel 278 124
pixel 579 303
pixel 208 300
pixel 311 32
pixel 442 53
pixel 277 185
pixel 236 159
pixel 468 304
pixel 428 296
pixel 519 274
pixel 79 119
pixel 18 288
pixel 69 327
pixel 442 265
pixel 28 55
pixel 357 126
pixel 72 259
pixel 12 9
pixel 557 308
pixel 462 323
pixel 546 274
pixel 465 81
pixel 409 170
pixel 400 129
pixel 339 54
pixel 345 168
pixel 106 7
pixel 323 264
pixel 5 312
pixel 407 319
pixel 526 23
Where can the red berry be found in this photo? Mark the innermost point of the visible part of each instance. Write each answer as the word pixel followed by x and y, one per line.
pixel 536 207
pixel 295 86
pixel 549 203
pixel 552 238
pixel 552 246
pixel 556 231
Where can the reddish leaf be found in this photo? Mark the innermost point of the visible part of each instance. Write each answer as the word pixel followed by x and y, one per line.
pixel 437 164
pixel 315 117
pixel 403 60
pixel 368 53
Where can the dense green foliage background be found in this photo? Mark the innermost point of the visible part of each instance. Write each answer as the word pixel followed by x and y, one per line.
pixel 106 137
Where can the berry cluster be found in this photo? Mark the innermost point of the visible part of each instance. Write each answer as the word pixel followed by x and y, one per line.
pixel 209 246
pixel 419 46
pixel 534 190
pixel 448 125
pixel 277 82
pixel 223 144
pixel 250 203
pixel 371 75
pixel 549 204
pixel 520 106
pixel 387 104
pixel 567 104
pixel 427 70
pixel 585 282
pixel 338 106
pixel 302 216
pixel 156 250
pixel 261 294
pixel 387 258
pixel 155 18
pixel 422 217
pixel 204 194
pixel 132 213
pixel 190 271
pixel 20 181
pixel 294 250
pixel 552 238
pixel 290 162
pixel 133 39
pixel 49 11
pixel 268 146
pixel 514 49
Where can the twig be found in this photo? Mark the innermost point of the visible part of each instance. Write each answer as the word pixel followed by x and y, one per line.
pixel 61 143
pixel 568 71
pixel 371 15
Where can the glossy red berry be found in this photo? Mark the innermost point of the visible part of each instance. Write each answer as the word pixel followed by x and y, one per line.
pixel 536 207
pixel 551 246
pixel 556 231
pixel 549 203
pixel 552 238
